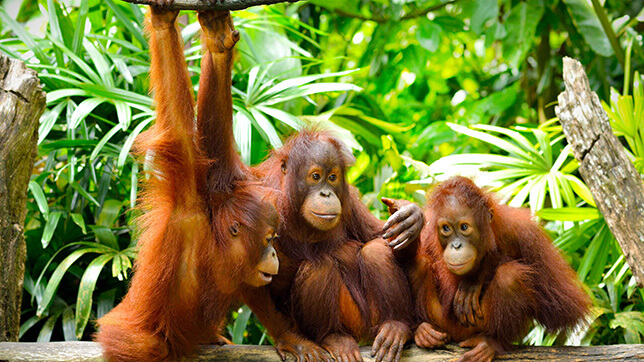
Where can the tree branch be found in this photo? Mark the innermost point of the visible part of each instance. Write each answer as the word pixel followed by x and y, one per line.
pixel 382 20
pixel 90 351
pixel 212 5
pixel 604 164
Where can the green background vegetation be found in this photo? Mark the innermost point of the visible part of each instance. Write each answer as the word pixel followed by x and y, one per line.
pixel 419 89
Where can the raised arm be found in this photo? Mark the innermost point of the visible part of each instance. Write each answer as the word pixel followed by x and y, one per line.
pixel 171 140
pixel 215 102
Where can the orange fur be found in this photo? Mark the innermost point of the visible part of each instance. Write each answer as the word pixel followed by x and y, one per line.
pixel 521 274
pixel 189 266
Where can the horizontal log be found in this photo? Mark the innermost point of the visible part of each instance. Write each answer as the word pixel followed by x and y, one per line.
pixel 89 351
pixel 211 5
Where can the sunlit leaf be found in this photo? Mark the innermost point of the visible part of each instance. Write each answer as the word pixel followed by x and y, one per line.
pixel 50 227
pixel 86 290
pixel 570 214
pixel 589 26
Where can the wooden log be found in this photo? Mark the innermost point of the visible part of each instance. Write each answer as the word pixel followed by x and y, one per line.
pixel 212 5
pixel 89 351
pixel 22 102
pixel 604 165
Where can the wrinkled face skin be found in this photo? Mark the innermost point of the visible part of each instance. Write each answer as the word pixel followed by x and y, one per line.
pixel 320 182
pixel 460 237
pixel 268 264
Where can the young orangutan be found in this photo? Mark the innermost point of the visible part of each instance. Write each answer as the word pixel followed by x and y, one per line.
pixel 483 271
pixel 209 227
pixel 339 283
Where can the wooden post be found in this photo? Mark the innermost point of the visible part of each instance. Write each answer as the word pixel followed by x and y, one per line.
pixel 90 351
pixel 22 102
pixel 212 5
pixel 603 163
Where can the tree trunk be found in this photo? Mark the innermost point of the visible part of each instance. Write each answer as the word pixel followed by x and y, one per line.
pixel 603 163
pixel 22 101
pixel 90 351
pixel 212 5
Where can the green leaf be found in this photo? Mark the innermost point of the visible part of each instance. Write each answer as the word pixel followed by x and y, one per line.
pixel 243 134
pixel 85 67
pixel 83 193
pixel 100 62
pixel 589 26
pixel 493 140
pixel 570 214
pixel 40 198
pixel 240 324
pixel 55 95
pixel 126 20
pixel 266 129
pixel 86 107
pixel 124 113
pixel 593 262
pixel 484 10
pixel 69 324
pixel 79 31
pixel 57 276
pixel 24 36
pixel 79 220
pixel 48 328
pixel 538 193
pixel 105 236
pixel 137 100
pixel 517 137
pixel 428 34
pixel 50 227
pixel 310 89
pixel 85 291
pixel 388 127
pixel 581 189
pixel 633 322
pixel 286 118
pixel 295 87
pixel 57 145
pixel 26 325
pixel 480 160
pixel 129 141
pixel 109 213
pixel 54 29
pixel 105 302
pixel 358 168
pixel 48 120
pixel 104 140
pixel 521 23
pixel 134 184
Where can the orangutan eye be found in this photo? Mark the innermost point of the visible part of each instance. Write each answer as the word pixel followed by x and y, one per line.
pixel 333 177
pixel 446 228
pixel 315 176
pixel 464 227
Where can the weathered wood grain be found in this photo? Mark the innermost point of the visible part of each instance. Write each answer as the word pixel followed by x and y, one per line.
pixel 88 351
pixel 604 165
pixel 22 101
pixel 212 5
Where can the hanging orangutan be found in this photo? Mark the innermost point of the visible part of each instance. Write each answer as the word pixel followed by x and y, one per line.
pixel 209 227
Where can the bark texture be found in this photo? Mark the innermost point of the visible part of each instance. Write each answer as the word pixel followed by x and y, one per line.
pixel 22 101
pixel 212 4
pixel 89 351
pixel 603 163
